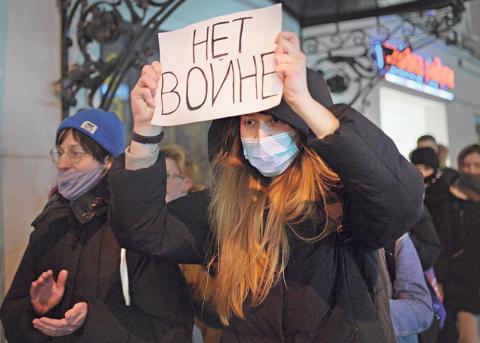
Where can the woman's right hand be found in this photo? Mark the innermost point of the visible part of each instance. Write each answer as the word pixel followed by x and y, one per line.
pixel 142 99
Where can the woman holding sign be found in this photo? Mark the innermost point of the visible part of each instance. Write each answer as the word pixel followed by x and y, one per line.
pixel 302 197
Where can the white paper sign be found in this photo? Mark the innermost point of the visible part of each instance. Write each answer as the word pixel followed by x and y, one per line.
pixel 219 67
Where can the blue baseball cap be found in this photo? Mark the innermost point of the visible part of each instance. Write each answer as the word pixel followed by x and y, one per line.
pixel 103 127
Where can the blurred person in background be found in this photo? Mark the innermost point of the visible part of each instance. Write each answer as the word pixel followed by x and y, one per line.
pixel 74 283
pixel 462 289
pixel 181 175
pixel 446 174
pixel 438 202
pixel 427 244
pixel 443 157
pixel 181 172
pixel 410 304
pixel 427 141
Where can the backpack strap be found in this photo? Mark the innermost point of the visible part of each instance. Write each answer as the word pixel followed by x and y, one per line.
pixel 390 261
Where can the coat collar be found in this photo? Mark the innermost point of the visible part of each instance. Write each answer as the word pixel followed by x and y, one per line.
pixel 83 209
pixel 92 203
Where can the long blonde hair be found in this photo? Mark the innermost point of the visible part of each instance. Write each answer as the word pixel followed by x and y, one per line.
pixel 250 218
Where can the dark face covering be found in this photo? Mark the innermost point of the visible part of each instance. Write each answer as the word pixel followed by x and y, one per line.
pixel 470 185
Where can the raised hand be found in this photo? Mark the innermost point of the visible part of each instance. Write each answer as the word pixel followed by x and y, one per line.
pixel 142 99
pixel 291 68
pixel 46 293
pixel 72 321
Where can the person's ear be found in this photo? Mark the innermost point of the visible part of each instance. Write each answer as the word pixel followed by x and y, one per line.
pixel 107 163
pixel 186 185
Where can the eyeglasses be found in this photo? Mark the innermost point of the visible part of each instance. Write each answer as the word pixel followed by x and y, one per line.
pixel 174 176
pixel 73 156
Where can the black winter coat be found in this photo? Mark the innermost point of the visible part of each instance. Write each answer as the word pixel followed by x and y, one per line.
pixel 425 239
pixel 78 237
pixel 335 290
pixel 439 203
pixel 462 287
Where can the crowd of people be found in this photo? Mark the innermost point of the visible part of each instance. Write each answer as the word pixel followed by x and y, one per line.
pixel 453 199
pixel 313 228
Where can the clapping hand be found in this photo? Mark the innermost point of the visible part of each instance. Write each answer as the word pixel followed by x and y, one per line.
pixel 72 321
pixel 46 293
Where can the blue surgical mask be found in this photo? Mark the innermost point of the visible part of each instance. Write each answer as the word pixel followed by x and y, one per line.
pixel 73 184
pixel 271 155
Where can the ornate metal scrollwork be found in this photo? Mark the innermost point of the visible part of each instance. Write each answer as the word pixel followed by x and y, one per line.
pixel 345 53
pixel 93 26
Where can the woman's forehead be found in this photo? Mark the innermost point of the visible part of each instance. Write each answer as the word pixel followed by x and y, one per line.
pixel 472 157
pixel 258 115
pixel 69 140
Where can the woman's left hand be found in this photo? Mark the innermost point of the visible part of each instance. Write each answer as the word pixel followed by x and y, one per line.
pixel 73 320
pixel 291 69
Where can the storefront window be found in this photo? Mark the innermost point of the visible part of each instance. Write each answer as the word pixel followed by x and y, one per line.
pixel 405 117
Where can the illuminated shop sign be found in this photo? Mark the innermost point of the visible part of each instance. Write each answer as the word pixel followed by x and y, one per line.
pixel 403 67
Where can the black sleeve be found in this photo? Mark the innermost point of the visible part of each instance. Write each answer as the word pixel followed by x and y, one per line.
pixel 17 311
pixel 383 191
pixel 143 223
pixel 426 241
pixel 160 309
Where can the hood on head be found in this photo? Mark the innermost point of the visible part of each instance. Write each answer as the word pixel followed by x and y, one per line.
pixel 318 90
pixel 426 156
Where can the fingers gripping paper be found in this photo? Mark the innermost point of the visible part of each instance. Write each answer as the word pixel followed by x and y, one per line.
pixel 219 68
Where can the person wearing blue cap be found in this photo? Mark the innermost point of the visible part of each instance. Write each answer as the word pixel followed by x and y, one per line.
pixel 75 283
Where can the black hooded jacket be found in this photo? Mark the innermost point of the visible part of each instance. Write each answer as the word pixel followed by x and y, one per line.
pixel 462 286
pixel 335 289
pixel 77 236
